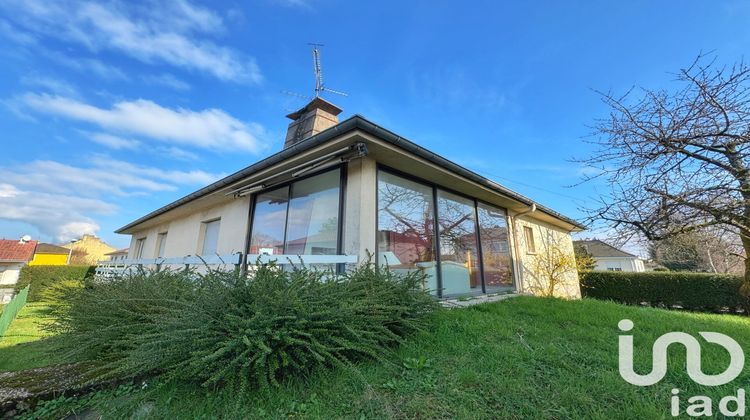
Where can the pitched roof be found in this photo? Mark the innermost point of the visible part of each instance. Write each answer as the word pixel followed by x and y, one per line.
pixel 355 122
pixel 44 248
pixel 16 251
pixel 598 248
pixel 118 251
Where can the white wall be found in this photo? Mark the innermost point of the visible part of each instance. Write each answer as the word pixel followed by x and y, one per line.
pixel 184 235
pixel 545 236
pixel 9 273
pixel 623 263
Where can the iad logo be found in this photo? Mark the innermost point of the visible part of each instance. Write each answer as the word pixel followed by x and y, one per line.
pixel 700 405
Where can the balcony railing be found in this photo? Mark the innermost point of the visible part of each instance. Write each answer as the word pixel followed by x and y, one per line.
pixel 105 269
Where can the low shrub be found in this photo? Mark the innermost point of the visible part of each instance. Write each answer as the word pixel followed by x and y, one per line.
pixel 43 277
pixel 255 331
pixel 690 291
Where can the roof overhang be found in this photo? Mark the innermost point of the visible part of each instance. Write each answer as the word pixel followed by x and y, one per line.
pixel 384 146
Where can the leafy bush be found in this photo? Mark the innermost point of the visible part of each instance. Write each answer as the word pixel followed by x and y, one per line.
pixel 43 277
pixel 223 327
pixel 691 291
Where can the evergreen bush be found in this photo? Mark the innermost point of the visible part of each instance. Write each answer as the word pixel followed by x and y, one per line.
pixel 253 330
pixel 691 291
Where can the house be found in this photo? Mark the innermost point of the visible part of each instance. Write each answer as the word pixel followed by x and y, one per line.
pixel 14 254
pixel 609 258
pixel 339 192
pixel 48 254
pixel 117 255
pixel 88 249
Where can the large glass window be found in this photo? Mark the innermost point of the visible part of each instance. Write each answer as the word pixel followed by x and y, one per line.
pixel 473 245
pixel 313 223
pixel 299 219
pixel 459 251
pixel 406 227
pixel 493 234
pixel 269 222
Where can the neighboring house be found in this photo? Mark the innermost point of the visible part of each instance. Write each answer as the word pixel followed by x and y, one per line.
pixel 88 249
pixel 609 258
pixel 118 255
pixel 14 254
pixel 48 254
pixel 354 188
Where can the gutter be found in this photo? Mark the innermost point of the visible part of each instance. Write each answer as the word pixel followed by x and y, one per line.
pixel 518 262
pixel 350 124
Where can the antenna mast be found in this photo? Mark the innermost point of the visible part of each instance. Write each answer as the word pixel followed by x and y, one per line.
pixel 318 69
pixel 320 87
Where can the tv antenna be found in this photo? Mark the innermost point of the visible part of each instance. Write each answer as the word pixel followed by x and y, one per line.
pixel 320 86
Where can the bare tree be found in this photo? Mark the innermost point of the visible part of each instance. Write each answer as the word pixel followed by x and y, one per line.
pixel 677 161
pixel 551 267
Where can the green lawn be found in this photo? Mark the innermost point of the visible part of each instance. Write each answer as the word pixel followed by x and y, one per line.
pixel 25 344
pixel 520 358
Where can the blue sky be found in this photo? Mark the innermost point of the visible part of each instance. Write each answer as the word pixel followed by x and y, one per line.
pixel 109 110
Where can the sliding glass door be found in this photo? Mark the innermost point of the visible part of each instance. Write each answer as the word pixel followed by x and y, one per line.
pixel 459 251
pixel 406 227
pixel 301 218
pixel 460 244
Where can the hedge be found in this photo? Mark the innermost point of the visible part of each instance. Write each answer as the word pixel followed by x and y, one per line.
pixel 41 277
pixel 690 291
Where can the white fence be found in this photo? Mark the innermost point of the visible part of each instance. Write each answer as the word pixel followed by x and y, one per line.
pixel 106 269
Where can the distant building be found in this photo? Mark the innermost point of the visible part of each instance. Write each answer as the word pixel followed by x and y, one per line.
pixel 14 254
pixel 88 250
pixel 48 254
pixel 119 255
pixel 609 258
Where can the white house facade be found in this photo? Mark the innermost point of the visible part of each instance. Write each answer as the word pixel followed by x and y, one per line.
pixel 609 258
pixel 345 192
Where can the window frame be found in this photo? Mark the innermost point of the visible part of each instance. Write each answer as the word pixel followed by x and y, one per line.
pixel 204 228
pixel 528 238
pixel 140 245
pixel 161 239
pixel 435 187
pixel 340 221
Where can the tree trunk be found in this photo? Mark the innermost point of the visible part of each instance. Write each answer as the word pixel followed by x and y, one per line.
pixel 745 288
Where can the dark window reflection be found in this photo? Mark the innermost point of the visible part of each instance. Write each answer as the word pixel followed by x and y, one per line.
pixel 406 227
pixel 493 232
pixel 459 255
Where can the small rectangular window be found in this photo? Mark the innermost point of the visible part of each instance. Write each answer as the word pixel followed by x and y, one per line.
pixel 139 243
pixel 528 234
pixel 210 237
pixel 161 242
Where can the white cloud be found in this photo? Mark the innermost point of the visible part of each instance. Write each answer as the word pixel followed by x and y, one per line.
pixel 114 142
pixel 167 80
pixel 61 216
pixel 63 200
pixel 50 84
pixel 88 65
pixel 210 128
pixel 162 32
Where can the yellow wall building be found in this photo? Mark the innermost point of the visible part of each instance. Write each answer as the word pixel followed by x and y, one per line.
pixel 48 254
pixel 89 250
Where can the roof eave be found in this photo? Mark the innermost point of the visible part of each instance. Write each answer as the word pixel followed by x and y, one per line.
pixel 352 123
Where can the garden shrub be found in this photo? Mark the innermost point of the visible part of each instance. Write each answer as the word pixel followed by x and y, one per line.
pixel 43 277
pixel 256 330
pixel 690 291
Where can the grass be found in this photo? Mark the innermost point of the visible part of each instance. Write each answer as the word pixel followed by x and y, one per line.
pixel 26 345
pixel 524 357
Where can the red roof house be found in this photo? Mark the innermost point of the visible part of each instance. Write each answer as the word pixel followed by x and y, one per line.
pixel 13 250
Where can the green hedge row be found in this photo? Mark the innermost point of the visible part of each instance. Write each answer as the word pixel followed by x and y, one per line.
pixel 691 291
pixel 41 277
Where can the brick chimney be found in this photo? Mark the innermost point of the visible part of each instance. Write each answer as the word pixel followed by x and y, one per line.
pixel 313 118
